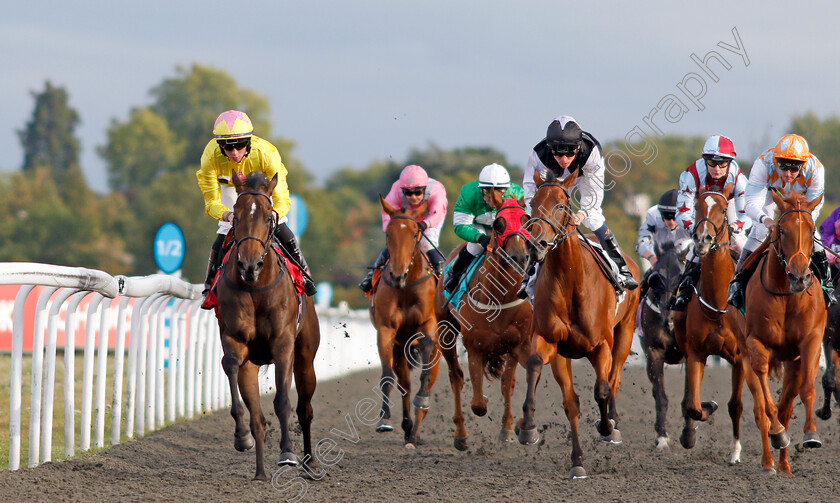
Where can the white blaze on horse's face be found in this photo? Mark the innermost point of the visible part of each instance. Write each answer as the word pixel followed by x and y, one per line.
pixel 253 208
pixel 710 203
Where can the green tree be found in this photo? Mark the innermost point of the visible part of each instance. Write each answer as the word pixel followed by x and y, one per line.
pixel 191 102
pixel 49 139
pixel 139 150
pixel 823 138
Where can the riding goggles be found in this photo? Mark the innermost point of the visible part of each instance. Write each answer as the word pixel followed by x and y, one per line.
pixel 668 215
pixel 564 151
pixel 790 165
pixel 230 145
pixel 414 191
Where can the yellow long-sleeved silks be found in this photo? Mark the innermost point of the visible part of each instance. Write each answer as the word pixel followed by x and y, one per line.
pixel 263 157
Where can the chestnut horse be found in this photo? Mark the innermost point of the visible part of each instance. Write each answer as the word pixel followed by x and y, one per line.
pixel 494 323
pixel 786 317
pixel 708 326
pixel 402 310
pixel 657 324
pixel 577 314
pixel 261 322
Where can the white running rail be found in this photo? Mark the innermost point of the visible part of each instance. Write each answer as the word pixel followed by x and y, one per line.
pixel 168 370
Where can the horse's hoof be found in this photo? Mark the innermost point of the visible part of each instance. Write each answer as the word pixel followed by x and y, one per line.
pixel 507 436
pixel 663 443
pixel 824 414
pixel 421 402
pixel 780 440
pixel 812 440
pixel 383 427
pixel 243 444
pixel 688 438
pixel 479 411
pixel 577 473
pixel 709 407
pixel 409 446
pixel 288 459
pixel 612 438
pixel 598 426
pixel 769 471
pixel 461 444
pixel 260 478
pixel 529 437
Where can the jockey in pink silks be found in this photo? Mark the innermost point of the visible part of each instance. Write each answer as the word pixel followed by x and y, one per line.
pixel 413 189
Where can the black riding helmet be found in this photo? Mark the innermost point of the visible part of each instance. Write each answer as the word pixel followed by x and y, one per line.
pixel 563 134
pixel 668 205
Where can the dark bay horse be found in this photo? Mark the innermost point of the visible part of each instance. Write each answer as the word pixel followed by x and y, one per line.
pixel 577 314
pixel 708 326
pixel 831 347
pixel 494 323
pixel 402 310
pixel 261 322
pixel 786 319
pixel 657 323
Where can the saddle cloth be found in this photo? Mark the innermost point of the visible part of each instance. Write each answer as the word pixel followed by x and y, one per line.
pixel 211 301
pixel 458 293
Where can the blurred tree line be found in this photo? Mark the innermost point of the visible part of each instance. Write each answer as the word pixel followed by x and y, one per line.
pixel 152 156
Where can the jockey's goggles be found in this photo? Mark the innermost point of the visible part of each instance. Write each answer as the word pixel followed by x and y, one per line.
pixel 790 165
pixel 486 190
pixel 668 215
pixel 233 144
pixel 717 164
pixel 564 150
pixel 414 191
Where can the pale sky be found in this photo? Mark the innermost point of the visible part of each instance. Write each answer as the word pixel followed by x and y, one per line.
pixel 355 81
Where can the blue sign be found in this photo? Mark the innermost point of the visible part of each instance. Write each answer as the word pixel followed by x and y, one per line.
pixel 169 248
pixel 298 216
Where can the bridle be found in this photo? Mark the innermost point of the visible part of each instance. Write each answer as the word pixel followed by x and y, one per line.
pixel 524 234
pixel 417 236
pixel 716 244
pixel 780 254
pixel 272 225
pixel 561 231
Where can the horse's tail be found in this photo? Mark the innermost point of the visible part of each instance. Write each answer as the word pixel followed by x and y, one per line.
pixel 493 367
pixel 775 371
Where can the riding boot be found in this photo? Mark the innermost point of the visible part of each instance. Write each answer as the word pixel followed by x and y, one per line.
pixel 736 286
pixel 626 278
pixel 459 265
pixel 212 269
pixel 292 248
pixel 645 284
pixel 819 264
pixel 689 278
pixel 437 260
pixel 381 260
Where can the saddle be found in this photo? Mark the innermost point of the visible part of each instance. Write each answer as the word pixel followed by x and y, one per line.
pixel 605 263
pixel 377 277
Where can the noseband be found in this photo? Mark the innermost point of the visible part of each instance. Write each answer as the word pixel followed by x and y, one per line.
pixel 267 242
pixel 780 254
pixel 716 244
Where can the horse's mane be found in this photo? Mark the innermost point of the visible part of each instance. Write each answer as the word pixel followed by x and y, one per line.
pixel 795 197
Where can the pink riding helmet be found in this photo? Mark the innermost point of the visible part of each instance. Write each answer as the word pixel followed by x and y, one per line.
pixel 413 176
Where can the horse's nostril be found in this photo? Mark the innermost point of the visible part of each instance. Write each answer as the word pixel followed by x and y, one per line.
pixel 260 264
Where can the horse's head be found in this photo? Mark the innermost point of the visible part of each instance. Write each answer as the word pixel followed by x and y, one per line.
pixel 511 238
pixel 552 217
pixel 711 230
pixel 793 237
pixel 402 237
pixel 254 221
pixel 666 273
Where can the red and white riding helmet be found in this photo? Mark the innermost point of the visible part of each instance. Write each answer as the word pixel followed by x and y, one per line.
pixel 719 148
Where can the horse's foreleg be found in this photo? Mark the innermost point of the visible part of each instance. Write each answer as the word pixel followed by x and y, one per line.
pixel 829 380
pixel 656 375
pixel 736 409
pixel 791 384
pixel 562 369
pixel 283 354
pixel 385 343
pixel 306 345
pixel 234 356
pixel 250 389
pixel 809 366
pixel 694 369
pixel 768 464
pixel 760 361
pixel 456 380
pixel 430 357
pixel 476 366
pixel 622 343
pixel 543 352
pixel 404 380
pixel 508 383
pixel 601 361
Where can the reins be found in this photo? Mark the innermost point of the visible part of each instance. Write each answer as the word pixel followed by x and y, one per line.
pixel 266 247
pixel 417 236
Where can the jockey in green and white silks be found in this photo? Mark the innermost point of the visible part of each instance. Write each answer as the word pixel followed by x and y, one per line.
pixel 473 217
